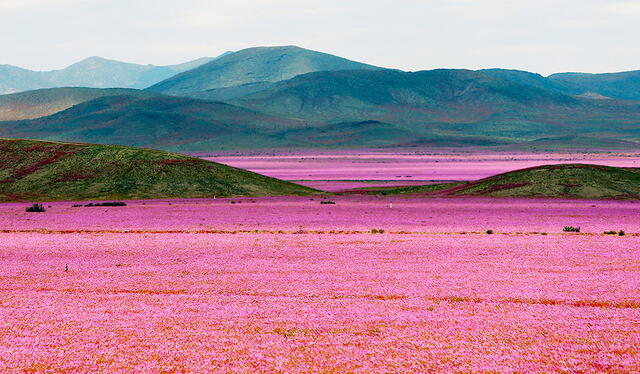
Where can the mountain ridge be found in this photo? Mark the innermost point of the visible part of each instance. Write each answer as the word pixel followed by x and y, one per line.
pixel 257 65
pixel 92 72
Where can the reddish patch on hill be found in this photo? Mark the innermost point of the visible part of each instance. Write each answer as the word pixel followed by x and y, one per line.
pixel 75 176
pixel 58 155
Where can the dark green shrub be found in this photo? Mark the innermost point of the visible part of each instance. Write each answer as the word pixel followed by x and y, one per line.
pixel 36 207
pixel 113 203
pixel 571 229
pixel 490 232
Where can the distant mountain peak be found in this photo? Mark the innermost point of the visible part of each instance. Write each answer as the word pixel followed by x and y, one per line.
pixel 266 64
pixel 93 72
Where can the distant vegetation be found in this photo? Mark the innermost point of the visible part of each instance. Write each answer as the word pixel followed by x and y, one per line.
pixel 571 229
pixel 614 232
pixel 47 171
pixel 36 208
pixel 114 203
pixel 408 190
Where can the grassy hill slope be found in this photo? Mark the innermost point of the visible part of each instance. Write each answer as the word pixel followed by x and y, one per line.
pixel 582 181
pixel 48 171
pixel 575 181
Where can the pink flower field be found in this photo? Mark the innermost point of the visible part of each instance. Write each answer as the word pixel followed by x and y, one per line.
pixel 290 285
pixel 404 166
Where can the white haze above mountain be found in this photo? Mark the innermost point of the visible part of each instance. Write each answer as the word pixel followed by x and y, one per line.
pixel 544 36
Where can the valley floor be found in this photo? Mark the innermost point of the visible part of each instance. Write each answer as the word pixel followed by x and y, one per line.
pixel 292 285
pixel 340 170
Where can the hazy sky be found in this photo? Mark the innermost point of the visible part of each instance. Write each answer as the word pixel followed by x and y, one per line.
pixel 544 36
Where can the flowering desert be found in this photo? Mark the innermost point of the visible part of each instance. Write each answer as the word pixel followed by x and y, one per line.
pixel 287 284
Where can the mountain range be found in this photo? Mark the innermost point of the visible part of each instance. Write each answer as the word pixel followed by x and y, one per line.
pixel 292 97
pixel 94 72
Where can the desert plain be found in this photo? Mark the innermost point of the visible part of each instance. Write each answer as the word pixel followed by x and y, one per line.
pixel 327 283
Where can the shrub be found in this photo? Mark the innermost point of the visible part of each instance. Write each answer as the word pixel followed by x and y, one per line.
pixel 571 229
pixel 490 232
pixel 35 207
pixel 610 232
pixel 621 233
pixel 377 231
pixel 113 203
pixel 327 202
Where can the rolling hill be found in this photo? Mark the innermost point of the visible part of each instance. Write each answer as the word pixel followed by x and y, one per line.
pixel 624 85
pixel 446 103
pixel 44 102
pixel 94 72
pixel 49 171
pixel 399 96
pixel 581 181
pixel 530 79
pixel 160 122
pixel 575 181
pixel 621 86
pixel 251 70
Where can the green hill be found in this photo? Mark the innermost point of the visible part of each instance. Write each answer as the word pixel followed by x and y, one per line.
pixel 252 69
pixel 48 171
pixel 44 102
pixel 434 95
pixel 529 79
pixel 624 85
pixel 446 103
pixel 581 181
pixel 575 181
pixel 162 122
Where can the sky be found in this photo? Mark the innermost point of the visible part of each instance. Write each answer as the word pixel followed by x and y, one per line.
pixel 543 36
